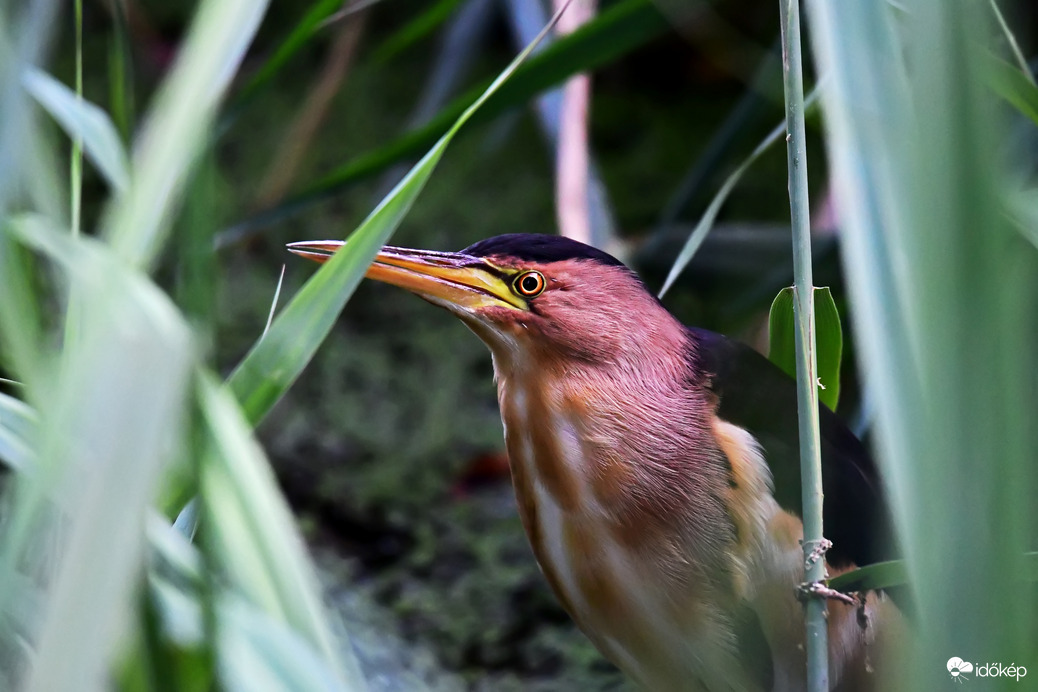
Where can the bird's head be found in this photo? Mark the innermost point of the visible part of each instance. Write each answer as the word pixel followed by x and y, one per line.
pixel 531 295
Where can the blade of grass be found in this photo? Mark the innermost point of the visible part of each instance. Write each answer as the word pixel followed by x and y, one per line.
pixel 883 575
pixel 21 321
pixel 275 362
pixel 945 315
pixel 1016 87
pixel 131 360
pixel 21 45
pixel 255 539
pixel 255 650
pixel 274 302
pixel 1014 47
pixel 89 128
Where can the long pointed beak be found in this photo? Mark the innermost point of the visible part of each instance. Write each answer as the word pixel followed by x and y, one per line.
pixel 451 279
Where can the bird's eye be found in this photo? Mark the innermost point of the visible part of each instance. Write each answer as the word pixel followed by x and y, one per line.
pixel 529 284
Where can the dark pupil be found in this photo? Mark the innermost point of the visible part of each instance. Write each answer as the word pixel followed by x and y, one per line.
pixel 530 283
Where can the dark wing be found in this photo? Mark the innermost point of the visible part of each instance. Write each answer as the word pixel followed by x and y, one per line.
pixel 756 395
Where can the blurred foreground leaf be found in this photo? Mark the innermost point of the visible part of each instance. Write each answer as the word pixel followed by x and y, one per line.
pixel 944 293
pixel 1011 84
pixel 880 575
pixel 177 126
pixel 84 121
pixel 883 575
pixel 1023 212
pixel 828 340
pixel 256 541
pixel 254 650
pixel 130 360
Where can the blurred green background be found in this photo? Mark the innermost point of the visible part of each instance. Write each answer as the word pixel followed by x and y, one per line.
pixel 389 447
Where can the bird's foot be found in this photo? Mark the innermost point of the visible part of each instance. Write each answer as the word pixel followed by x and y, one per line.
pixel 818 589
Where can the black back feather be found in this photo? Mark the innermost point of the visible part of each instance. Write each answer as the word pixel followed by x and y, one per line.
pixel 756 395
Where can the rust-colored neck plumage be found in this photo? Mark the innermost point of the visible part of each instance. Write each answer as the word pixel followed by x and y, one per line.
pixel 606 415
pixel 620 482
pixel 626 436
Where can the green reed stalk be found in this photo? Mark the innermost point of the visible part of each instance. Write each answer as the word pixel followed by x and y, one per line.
pixel 76 163
pixel 807 367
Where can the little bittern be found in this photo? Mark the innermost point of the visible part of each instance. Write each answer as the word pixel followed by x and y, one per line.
pixel 656 467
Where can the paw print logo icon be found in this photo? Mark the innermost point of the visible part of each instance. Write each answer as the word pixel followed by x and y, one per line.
pixel 957 669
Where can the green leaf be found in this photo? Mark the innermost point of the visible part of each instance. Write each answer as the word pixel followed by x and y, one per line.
pixel 617 31
pixel 276 360
pixel 254 650
pixel 99 462
pixel 258 652
pixel 944 292
pixel 253 532
pixel 828 340
pixel 84 121
pixel 883 575
pixel 1011 84
pixel 880 575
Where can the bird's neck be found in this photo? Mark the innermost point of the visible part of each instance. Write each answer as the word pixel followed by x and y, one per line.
pixel 620 482
pixel 623 438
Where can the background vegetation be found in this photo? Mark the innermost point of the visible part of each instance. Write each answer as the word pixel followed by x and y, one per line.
pixel 146 544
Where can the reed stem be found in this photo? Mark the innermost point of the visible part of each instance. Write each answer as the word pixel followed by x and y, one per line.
pixel 814 543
